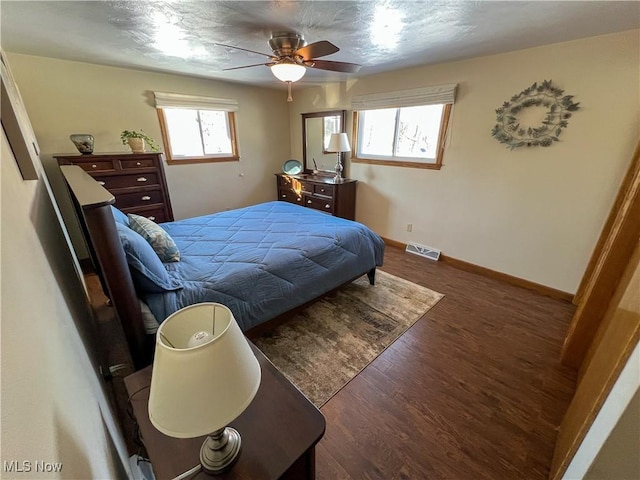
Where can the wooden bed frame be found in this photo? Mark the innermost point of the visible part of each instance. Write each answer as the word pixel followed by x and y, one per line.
pixel 92 204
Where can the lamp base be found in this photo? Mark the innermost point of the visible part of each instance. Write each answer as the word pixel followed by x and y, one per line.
pixel 338 177
pixel 220 451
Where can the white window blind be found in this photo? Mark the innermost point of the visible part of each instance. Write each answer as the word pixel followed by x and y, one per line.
pixel 178 100
pixel 406 98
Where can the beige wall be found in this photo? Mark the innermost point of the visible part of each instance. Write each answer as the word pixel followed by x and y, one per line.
pixel 53 405
pixel 533 213
pixel 618 458
pixel 65 97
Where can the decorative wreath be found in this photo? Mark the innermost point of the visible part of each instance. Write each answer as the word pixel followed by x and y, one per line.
pixel 508 129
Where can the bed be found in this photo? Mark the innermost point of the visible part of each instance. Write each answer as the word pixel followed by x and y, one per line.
pixel 261 261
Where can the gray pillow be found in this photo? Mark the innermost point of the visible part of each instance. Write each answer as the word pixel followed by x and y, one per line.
pixel 159 240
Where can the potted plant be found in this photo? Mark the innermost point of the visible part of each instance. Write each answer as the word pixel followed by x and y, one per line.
pixel 137 141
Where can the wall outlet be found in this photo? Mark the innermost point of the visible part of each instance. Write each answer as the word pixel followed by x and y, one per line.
pixel 409 227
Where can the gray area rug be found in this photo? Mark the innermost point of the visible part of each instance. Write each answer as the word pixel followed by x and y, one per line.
pixel 330 342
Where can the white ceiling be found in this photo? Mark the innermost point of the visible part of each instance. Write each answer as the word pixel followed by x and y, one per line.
pixel 382 35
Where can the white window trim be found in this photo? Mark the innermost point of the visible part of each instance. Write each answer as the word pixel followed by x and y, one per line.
pixel 406 98
pixel 179 100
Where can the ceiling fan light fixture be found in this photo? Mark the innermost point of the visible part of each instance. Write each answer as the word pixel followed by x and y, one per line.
pixel 288 72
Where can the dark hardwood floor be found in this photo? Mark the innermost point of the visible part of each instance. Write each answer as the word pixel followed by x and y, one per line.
pixel 474 390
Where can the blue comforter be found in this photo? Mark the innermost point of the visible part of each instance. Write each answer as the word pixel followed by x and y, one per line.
pixel 264 260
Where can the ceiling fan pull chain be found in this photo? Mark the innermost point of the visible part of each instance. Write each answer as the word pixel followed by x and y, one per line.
pixel 289 97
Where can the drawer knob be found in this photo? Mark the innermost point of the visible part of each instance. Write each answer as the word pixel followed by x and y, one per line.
pixel 309 201
pixel 327 206
pixel 146 198
pixel 101 183
pixel 298 199
pixel 284 196
pixel 138 164
pixel 94 166
pixel 322 190
pixel 142 179
pixel 152 218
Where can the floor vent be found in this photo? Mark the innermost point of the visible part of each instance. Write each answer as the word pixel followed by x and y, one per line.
pixel 427 252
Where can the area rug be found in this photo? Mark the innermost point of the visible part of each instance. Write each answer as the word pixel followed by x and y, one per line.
pixel 327 344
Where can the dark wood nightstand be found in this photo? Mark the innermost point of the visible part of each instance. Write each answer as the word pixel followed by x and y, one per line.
pixel 279 431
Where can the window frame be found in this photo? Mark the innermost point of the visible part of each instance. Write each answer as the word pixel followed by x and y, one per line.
pixel 231 123
pixel 403 161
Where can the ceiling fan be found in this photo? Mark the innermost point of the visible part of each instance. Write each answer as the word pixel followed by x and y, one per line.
pixel 292 56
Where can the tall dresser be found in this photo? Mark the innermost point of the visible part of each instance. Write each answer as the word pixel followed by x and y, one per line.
pixel 136 180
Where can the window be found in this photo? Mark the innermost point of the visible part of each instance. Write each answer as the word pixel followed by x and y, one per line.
pixel 197 129
pixel 405 128
pixel 330 125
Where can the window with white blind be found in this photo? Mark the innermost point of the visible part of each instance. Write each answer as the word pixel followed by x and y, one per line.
pixel 406 128
pixel 197 129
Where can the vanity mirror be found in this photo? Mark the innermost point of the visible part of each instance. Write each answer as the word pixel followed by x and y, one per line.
pixel 316 131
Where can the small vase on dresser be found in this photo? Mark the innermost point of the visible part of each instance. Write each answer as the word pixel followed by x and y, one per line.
pixel 83 142
pixel 137 145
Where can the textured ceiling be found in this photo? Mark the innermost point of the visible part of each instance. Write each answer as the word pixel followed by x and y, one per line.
pixel 181 36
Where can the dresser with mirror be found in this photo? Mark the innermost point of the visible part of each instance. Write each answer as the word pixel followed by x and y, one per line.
pixel 316 185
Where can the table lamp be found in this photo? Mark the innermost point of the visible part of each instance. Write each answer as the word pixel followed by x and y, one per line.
pixel 338 143
pixel 204 376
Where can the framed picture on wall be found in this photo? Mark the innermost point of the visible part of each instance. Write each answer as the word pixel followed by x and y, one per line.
pixel 16 125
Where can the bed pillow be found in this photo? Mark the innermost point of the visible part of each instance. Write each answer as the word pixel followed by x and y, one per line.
pixel 148 273
pixel 119 217
pixel 157 237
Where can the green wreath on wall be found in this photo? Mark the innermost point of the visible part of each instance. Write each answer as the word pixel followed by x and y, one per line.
pixel 508 129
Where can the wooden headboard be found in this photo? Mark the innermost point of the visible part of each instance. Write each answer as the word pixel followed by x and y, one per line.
pixel 92 204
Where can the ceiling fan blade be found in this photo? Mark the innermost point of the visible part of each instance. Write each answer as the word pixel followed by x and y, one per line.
pixel 317 49
pixel 247 66
pixel 243 49
pixel 336 66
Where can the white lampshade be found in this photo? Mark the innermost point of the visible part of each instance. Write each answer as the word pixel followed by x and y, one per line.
pixel 196 390
pixel 288 72
pixel 339 143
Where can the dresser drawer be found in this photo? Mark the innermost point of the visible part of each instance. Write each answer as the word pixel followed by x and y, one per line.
pixel 139 163
pixel 284 181
pixel 97 166
pixel 323 204
pixel 289 196
pixel 124 181
pixel 323 189
pixel 138 199
pixel 303 186
pixel 155 213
